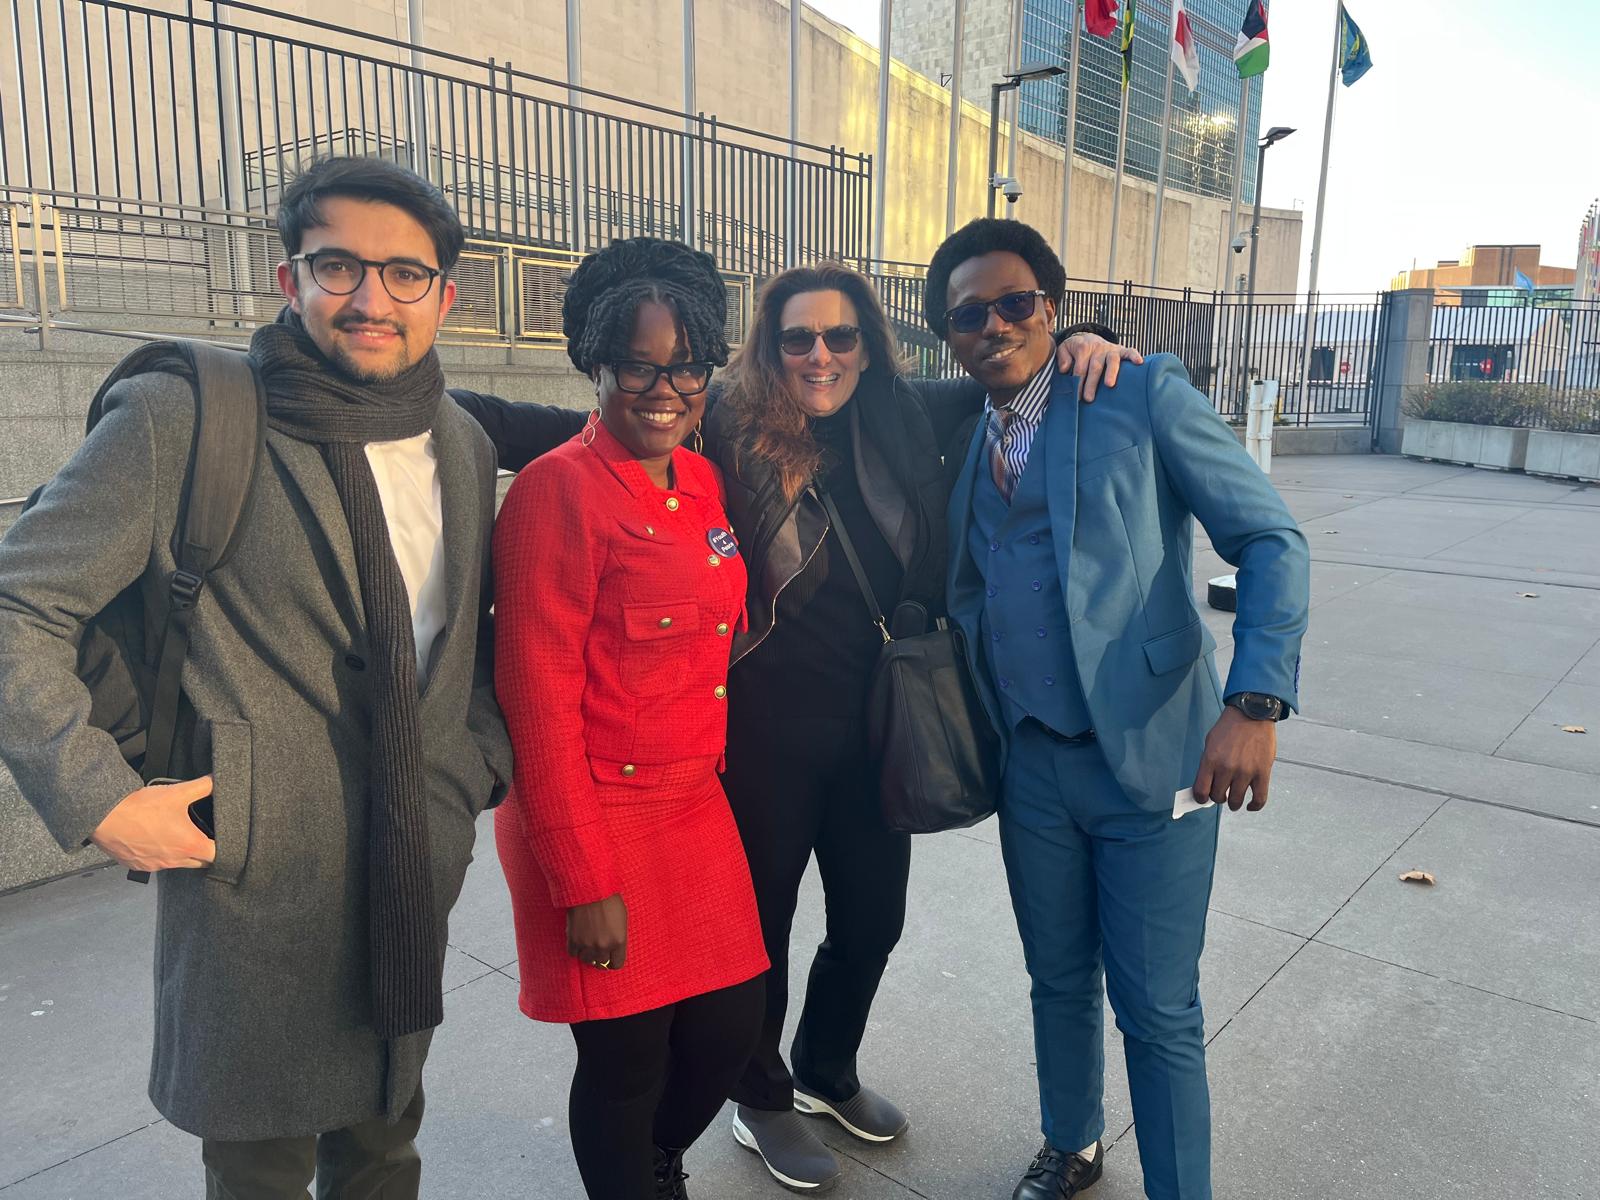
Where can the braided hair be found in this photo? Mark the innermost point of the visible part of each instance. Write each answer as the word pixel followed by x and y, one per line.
pixel 605 292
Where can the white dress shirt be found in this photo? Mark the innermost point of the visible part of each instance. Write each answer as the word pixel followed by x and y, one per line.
pixel 407 474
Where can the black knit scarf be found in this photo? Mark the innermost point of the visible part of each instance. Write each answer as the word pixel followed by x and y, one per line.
pixel 312 400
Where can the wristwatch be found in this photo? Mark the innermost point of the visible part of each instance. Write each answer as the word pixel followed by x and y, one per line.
pixel 1258 707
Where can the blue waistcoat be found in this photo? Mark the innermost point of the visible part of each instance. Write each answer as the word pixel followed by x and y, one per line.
pixel 1027 640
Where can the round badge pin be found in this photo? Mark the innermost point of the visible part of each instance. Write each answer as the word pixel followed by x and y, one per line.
pixel 722 542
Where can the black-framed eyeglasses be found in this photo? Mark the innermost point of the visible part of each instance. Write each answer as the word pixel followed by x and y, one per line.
pixel 686 378
pixel 839 339
pixel 1012 307
pixel 340 274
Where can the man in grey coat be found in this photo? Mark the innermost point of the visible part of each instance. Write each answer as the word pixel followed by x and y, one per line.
pixel 337 702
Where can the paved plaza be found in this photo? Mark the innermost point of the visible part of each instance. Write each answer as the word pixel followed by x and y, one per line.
pixel 1368 1037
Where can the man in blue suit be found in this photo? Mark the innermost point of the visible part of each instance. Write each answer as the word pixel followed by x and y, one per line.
pixel 1071 529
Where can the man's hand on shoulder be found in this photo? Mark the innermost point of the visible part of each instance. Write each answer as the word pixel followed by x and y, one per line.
pixel 1237 759
pixel 1093 359
pixel 150 829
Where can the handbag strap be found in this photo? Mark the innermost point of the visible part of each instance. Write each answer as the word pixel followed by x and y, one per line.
pixel 874 609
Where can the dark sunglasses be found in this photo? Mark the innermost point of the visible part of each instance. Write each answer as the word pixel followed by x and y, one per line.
pixel 686 378
pixel 1012 307
pixel 839 339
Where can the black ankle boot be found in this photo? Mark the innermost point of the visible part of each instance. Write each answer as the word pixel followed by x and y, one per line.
pixel 670 1175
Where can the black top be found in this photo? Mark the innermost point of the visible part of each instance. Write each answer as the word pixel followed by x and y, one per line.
pixel 821 652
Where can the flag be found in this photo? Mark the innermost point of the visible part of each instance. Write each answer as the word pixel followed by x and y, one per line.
pixel 1100 17
pixel 1127 43
pixel 1185 54
pixel 1354 58
pixel 1523 283
pixel 1251 53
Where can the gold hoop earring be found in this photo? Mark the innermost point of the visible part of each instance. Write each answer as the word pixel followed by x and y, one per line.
pixel 590 426
pixel 696 441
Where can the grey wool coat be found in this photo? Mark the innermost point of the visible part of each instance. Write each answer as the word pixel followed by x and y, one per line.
pixel 262 993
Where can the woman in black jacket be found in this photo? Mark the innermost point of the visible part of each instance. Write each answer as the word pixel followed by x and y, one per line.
pixel 815 403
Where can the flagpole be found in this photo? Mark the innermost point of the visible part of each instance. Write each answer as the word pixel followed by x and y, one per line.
pixel 1161 170
pixel 1322 196
pixel 1072 131
pixel 1238 178
pixel 880 166
pixel 955 119
pixel 1116 190
pixel 1016 99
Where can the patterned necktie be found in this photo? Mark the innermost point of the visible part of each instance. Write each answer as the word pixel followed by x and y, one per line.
pixel 997 456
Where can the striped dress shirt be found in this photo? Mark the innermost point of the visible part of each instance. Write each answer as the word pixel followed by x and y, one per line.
pixel 1012 428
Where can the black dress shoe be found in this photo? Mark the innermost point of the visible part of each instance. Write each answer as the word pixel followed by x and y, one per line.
pixel 1058 1175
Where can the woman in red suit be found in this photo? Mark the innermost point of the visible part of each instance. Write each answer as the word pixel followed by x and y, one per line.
pixel 618 586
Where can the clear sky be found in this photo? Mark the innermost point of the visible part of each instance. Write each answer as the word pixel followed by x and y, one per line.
pixel 1478 123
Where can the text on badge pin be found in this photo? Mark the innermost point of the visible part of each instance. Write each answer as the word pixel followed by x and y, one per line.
pixel 722 542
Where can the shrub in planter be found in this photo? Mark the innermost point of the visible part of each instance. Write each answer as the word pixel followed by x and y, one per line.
pixel 1511 405
pixel 1576 412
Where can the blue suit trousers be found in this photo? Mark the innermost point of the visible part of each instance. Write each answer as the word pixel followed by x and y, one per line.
pixel 1109 895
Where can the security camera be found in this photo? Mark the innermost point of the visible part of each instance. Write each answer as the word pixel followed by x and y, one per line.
pixel 1011 190
pixel 1239 244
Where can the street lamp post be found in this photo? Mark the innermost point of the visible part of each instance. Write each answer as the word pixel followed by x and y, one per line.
pixel 1274 135
pixel 1010 82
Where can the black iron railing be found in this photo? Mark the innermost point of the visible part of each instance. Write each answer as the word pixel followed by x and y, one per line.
pixel 129 104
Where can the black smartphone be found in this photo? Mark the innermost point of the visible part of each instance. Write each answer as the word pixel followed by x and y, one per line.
pixel 203 816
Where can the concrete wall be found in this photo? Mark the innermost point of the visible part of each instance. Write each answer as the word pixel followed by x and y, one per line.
pixel 633 48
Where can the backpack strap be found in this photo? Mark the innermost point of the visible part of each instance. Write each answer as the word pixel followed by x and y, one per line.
pixel 229 442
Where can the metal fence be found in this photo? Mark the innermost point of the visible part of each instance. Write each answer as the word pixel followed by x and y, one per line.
pixel 70 264
pixel 1334 385
pixel 1554 343
pixel 215 107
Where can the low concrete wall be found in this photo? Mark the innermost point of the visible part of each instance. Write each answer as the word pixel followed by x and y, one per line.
pixel 1288 441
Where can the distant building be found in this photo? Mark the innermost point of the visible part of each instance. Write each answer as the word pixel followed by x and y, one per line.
pixel 1588 282
pixel 1486 277
pixel 1202 146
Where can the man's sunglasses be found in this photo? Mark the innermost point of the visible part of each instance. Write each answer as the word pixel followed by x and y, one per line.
pixel 839 339
pixel 1012 307
pixel 686 378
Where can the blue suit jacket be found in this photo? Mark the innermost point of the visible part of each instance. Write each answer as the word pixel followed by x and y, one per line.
pixel 1128 476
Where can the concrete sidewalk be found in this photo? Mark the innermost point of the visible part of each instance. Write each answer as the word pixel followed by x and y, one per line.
pixel 1369 1037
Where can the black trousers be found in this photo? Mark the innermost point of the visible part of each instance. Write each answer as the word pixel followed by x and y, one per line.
pixel 796 786
pixel 374 1160
pixel 655 1078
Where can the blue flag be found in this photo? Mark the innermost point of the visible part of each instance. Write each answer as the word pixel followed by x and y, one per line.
pixel 1354 58
pixel 1523 283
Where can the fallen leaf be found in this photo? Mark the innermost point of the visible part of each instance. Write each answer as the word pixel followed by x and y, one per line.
pixel 1529 595
pixel 1419 877
pixel 1330 531
pixel 1573 729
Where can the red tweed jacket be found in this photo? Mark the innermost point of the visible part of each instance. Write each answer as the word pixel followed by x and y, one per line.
pixel 614 614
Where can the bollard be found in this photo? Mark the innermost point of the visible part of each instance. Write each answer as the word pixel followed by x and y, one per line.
pixel 1258 422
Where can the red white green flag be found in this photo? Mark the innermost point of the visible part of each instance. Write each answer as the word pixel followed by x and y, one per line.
pixel 1185 54
pixel 1251 53
pixel 1100 17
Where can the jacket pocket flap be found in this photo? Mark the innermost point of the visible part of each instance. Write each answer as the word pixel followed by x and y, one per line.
pixel 1105 463
pixel 652 622
pixel 645 532
pixel 1179 648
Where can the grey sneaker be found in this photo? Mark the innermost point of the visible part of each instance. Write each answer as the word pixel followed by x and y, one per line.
pixel 867 1115
pixel 795 1156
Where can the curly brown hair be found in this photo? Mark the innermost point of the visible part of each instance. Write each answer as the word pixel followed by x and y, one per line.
pixel 768 423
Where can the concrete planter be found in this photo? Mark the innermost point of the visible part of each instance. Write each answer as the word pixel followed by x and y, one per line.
pixel 1569 455
pixel 1492 446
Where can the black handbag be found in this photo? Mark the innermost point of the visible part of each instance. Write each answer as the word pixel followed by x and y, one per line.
pixel 936 751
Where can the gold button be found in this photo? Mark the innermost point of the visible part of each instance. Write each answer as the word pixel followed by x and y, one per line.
pixel 722 629
pixel 720 692
pixel 629 771
pixel 672 504
pixel 713 560
pixel 665 622
pixel 649 531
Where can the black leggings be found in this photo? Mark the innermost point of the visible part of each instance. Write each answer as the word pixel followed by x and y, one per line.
pixel 655 1078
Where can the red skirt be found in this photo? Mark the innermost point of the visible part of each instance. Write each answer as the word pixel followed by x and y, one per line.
pixel 692 923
